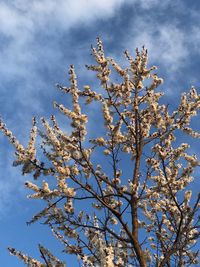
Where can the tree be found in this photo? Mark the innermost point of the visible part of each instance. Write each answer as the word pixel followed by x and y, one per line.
pixel 122 197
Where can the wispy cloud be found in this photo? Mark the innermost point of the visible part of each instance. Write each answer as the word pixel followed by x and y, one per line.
pixel 21 19
pixel 166 43
pixel 154 4
pixel 31 33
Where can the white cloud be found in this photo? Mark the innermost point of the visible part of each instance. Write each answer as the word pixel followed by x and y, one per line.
pixel 147 4
pixel 22 15
pixel 166 42
pixel 23 21
pixel 169 42
pixel 166 45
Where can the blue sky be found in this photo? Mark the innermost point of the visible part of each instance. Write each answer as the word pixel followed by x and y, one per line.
pixel 40 39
